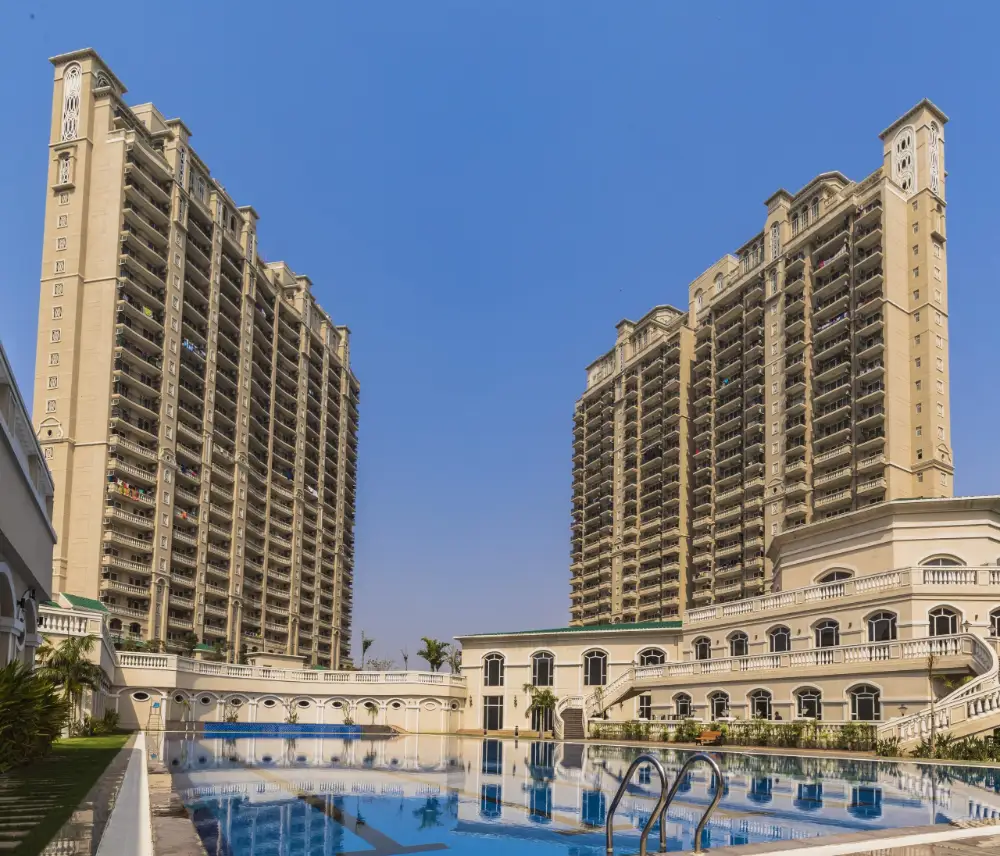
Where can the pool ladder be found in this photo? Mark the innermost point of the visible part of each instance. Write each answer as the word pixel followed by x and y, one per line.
pixel 663 803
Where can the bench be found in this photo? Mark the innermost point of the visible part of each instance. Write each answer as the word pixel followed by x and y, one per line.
pixel 708 738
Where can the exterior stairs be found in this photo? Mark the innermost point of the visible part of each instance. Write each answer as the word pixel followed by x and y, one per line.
pixel 972 709
pixel 573 728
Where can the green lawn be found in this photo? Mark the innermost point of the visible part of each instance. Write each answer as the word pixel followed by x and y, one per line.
pixel 39 798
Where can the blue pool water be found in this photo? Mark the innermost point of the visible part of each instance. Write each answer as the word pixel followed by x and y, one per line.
pixel 268 796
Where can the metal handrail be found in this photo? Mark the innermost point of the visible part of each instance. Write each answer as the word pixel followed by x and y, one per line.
pixel 719 784
pixel 660 807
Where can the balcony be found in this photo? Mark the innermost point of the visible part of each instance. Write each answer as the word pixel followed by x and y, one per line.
pixel 872 486
pixel 833 499
pixel 832 477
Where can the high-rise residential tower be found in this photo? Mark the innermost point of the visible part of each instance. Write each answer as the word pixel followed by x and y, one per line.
pixel 807 378
pixel 195 403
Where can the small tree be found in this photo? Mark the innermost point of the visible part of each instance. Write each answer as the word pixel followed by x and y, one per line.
pixel 542 700
pixel 405 654
pixel 219 649
pixel 68 666
pixel 188 643
pixel 381 664
pixel 435 652
pixel 455 659
pixel 366 643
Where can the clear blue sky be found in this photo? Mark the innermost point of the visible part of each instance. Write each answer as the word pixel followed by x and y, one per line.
pixel 481 190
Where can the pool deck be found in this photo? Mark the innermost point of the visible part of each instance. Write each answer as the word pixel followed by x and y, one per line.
pixel 956 840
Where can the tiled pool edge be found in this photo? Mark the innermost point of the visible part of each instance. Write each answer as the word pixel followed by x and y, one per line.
pixel 882 841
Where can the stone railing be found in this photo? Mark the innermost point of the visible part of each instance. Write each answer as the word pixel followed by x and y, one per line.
pixel 978 698
pixel 67 622
pixel 603 697
pixel 174 662
pixel 564 704
pixel 896 580
pixel 968 645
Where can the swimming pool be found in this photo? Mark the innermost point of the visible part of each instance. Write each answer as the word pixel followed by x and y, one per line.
pixel 258 796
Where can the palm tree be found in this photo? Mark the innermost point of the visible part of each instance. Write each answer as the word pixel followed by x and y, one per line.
pixel 69 667
pixel 542 700
pixel 435 652
pixel 455 659
pixel 366 643
pixel 188 643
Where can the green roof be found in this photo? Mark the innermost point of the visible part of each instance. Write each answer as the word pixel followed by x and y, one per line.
pixel 201 646
pixel 587 628
pixel 319 668
pixel 51 604
pixel 85 602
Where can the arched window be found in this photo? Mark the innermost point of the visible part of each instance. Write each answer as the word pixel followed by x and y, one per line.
pixel 827 634
pixel 739 644
pixel 135 629
pixel 703 648
pixel 682 705
pixel 775 241
pixel 493 668
pixel 63 169
pixel 882 627
pixel 718 283
pixel 718 705
pixel 795 223
pixel 995 622
pixel 866 703
pixel 834 577
pixel 652 657
pixel 943 621
pixel 115 625
pixel 904 167
pixel 699 301
pixel 760 704
pixel 595 669
pixel 809 703
pixel 542 669
pixel 780 639
pixel 72 85
pixel 814 208
pixel 943 562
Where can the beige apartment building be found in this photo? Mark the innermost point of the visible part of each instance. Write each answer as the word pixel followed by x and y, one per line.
pixel 195 403
pixel 807 378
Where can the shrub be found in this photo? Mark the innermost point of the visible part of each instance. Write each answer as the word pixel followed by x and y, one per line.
pixel 687 731
pixel 33 713
pixel 90 727
pixel 887 747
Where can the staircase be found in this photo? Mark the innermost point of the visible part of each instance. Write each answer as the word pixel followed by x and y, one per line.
pixel 973 708
pixel 573 724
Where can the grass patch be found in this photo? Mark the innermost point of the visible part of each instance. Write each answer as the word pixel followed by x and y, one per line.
pixel 57 784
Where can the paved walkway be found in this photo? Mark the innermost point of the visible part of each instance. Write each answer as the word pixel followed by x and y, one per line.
pixel 967 847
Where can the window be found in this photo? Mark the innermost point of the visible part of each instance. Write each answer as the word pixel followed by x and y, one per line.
pixel 809 703
pixel 827 634
pixel 64 199
pixel 938 296
pixel 703 648
pixel 63 221
pixel 492 713
pixel 780 640
pixel 919 430
pixel 64 176
pixel 916 249
pixel 56 312
pixel 938 342
pixel 60 266
pixel 916 271
pixel 920 477
pixel 682 701
pixel 916 339
pixel 493 668
pixel 718 283
pixel 940 432
pixel 882 627
pixel 920 454
pixel 739 644
pixel 652 657
pixel 919 407
pixel 645 707
pixel 814 209
pixel 760 704
pixel 940 386
pixel 866 703
pixel 795 224
pixel 916 294
pixel 918 385
pixel 937 274
pixel 57 289
pixel 140 696
pixel 943 621
pixel 595 669
pixel 718 705
pixel 995 622
pixel 835 577
pixel 940 364
pixel 54 359
pixel 50 405
pixel 938 318
pixel 775 243
pixel 699 301
pixel 542 669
